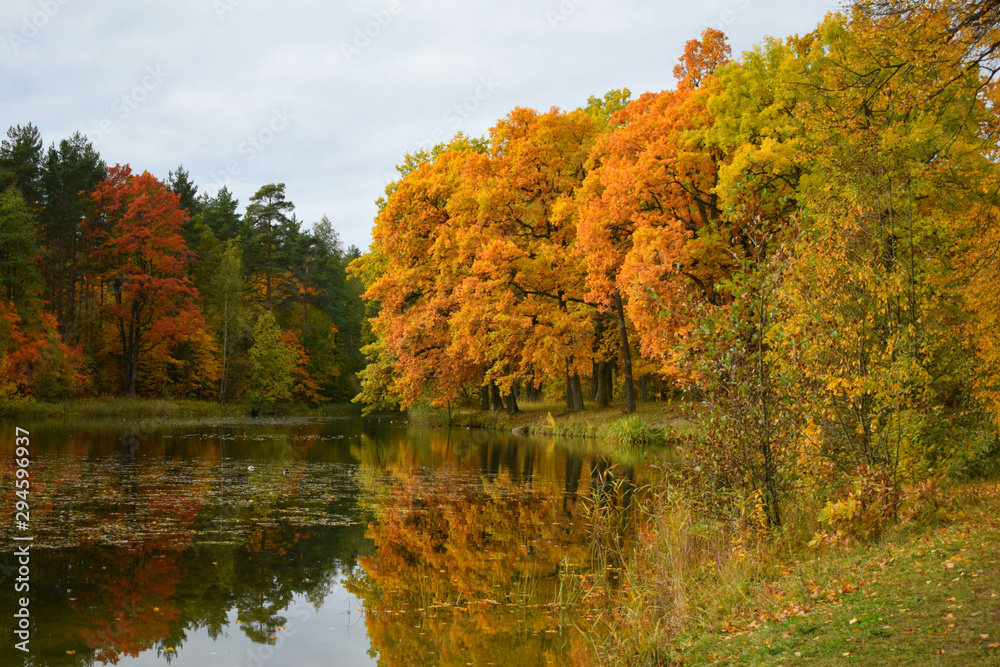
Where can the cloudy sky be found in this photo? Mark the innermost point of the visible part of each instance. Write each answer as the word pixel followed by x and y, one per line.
pixel 326 97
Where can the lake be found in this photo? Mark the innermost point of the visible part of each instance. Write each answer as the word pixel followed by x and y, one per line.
pixel 341 541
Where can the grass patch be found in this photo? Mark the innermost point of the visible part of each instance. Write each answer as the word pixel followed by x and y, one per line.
pixel 634 432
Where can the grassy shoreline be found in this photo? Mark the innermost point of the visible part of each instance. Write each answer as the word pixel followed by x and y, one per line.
pixel 159 408
pixel 921 594
pixel 551 419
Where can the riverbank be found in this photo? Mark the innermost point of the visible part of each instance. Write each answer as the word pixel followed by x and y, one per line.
pixel 552 419
pixel 927 592
pixel 158 408
pixel 924 594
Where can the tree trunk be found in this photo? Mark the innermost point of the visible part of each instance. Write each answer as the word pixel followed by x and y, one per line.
pixel 602 385
pixel 569 388
pixel 577 393
pixel 511 401
pixel 133 370
pixel 626 356
pixel 484 398
pixel 495 397
pixel 225 349
pixel 644 389
pixel 532 393
pixel 609 380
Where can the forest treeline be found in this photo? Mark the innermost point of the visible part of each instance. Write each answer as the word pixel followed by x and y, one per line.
pixel 805 237
pixel 117 283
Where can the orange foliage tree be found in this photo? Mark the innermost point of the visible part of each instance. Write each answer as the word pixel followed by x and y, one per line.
pixel 650 224
pixel 416 282
pixel 523 316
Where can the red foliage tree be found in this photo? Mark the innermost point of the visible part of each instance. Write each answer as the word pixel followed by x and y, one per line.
pixel 140 257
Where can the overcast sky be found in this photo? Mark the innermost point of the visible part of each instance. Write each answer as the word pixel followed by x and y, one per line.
pixel 327 97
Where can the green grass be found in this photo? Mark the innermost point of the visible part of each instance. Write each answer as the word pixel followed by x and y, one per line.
pixel 634 432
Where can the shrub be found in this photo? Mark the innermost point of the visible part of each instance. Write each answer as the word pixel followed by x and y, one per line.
pixel 634 431
pixel 862 507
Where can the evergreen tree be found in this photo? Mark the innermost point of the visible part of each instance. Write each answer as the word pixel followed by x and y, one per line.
pixel 69 170
pixel 21 161
pixel 180 183
pixel 219 214
pixel 269 228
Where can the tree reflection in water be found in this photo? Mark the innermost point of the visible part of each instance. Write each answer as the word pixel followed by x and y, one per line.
pixel 462 546
pixel 473 567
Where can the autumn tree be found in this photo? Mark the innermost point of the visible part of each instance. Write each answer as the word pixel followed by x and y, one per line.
pixel 897 181
pixel 518 227
pixel 228 309
pixel 141 259
pixel 272 363
pixel 651 228
pixel 412 274
pixel 34 361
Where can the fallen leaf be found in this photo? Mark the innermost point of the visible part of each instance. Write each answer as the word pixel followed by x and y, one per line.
pixel 852 621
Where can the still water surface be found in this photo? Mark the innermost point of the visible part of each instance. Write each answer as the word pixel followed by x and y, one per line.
pixel 352 542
